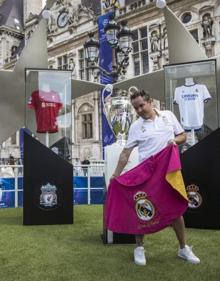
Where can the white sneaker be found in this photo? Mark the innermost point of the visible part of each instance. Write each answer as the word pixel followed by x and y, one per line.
pixel 139 256
pixel 187 254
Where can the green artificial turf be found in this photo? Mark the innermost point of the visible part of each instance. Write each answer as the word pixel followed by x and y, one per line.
pixel 75 252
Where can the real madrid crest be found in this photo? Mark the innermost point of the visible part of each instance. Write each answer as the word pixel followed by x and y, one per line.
pixel 144 208
pixel 194 197
pixel 48 196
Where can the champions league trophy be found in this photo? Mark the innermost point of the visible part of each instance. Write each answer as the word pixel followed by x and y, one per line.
pixel 119 113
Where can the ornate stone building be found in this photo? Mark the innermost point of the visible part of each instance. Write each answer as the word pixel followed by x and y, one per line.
pixel 68 28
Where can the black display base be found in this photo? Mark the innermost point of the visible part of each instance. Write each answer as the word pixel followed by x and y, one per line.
pixel 117 238
pixel 48 191
pixel 201 173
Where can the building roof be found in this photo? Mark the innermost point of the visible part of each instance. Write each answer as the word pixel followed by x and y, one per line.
pixel 11 14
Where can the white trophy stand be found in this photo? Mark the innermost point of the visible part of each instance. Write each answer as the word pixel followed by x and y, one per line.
pixel 112 153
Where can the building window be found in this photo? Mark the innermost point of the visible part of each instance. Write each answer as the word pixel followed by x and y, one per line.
pixel 87 132
pixel 195 35
pixel 140 51
pixel 186 17
pixel 84 72
pixel 86 116
pixel 7 50
pixel 14 51
pixel 14 139
pixel 62 62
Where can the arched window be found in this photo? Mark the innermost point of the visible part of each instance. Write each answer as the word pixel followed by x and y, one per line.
pixel 13 51
pixel 86 116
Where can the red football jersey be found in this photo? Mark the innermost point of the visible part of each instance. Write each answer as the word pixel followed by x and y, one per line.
pixel 46 106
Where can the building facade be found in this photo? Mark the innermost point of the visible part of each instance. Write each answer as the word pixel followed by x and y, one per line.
pixel 68 28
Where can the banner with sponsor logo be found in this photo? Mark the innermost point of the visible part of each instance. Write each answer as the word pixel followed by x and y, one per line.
pixel 105 61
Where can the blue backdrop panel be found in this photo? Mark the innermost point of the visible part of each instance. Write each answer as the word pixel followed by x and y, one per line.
pixel 7 199
pixel 97 182
pixel 80 182
pixel 81 194
pixel 20 182
pixel 80 185
pixel 97 196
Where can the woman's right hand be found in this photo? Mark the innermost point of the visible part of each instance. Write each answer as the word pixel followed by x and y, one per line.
pixel 113 177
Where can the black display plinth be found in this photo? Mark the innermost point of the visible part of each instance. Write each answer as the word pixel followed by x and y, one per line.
pixel 110 237
pixel 201 173
pixel 48 190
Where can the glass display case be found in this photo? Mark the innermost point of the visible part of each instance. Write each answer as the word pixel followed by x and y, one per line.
pixel 48 106
pixel 190 92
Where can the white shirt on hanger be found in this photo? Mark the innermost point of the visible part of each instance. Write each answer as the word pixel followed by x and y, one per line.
pixel 190 100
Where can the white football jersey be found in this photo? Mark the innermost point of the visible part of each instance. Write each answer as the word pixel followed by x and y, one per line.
pixel 191 104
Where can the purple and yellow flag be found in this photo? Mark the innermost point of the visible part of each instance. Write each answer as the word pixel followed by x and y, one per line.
pixel 149 197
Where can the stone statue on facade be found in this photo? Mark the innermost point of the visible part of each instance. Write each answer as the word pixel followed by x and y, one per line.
pixel 110 4
pixel 154 40
pixel 85 12
pixel 207 24
pixel 165 38
pixel 71 64
pixel 52 25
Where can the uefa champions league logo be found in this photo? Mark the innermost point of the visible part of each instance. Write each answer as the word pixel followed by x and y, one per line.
pixel 48 196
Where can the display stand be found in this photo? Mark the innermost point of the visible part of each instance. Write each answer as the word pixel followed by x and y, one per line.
pixel 48 108
pixel 112 153
pixel 48 190
pixel 189 86
pixel 202 182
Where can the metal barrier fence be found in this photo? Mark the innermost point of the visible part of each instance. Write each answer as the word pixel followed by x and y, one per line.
pixel 88 184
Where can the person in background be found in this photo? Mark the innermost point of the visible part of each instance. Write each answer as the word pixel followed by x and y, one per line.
pixel 77 167
pixel 11 160
pixel 85 164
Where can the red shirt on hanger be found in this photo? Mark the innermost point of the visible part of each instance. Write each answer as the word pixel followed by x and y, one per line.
pixel 46 106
